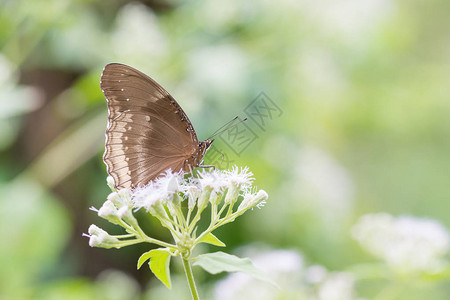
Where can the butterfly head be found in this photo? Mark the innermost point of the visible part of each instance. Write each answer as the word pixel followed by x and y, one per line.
pixel 204 146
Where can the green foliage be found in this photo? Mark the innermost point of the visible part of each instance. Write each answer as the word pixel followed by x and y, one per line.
pixel 218 262
pixel 159 264
pixel 211 239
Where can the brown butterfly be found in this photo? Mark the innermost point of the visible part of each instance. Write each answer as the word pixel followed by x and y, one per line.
pixel 147 131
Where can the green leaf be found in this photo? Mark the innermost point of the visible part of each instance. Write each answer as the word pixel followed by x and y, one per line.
pixel 159 264
pixel 217 262
pixel 211 239
pixel 144 257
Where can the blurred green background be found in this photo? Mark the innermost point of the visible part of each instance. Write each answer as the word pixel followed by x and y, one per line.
pixel 363 86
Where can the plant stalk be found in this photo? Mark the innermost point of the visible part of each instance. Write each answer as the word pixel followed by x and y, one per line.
pixel 190 278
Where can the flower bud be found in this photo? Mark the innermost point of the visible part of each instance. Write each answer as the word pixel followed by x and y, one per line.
pixel 125 195
pixel 158 210
pixel 101 239
pixel 125 214
pixel 232 194
pixel 115 198
pixel 108 211
pixel 171 207
pixel 110 182
pixel 215 198
pixel 252 200
pixel 204 197
pixel 193 193
pixel 176 199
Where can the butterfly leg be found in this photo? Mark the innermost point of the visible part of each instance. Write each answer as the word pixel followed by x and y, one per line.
pixel 223 156
pixel 209 166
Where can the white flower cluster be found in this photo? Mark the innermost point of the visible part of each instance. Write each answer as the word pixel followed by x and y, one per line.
pixel 406 243
pixel 282 266
pixel 162 199
pixel 117 210
pixel 117 207
pixel 336 286
pixel 160 190
pixel 330 285
pixel 295 281
pixel 209 186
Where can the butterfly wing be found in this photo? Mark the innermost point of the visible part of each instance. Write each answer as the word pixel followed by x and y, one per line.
pixel 147 131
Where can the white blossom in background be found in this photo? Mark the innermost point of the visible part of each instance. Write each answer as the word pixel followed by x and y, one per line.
pixel 337 286
pixel 315 274
pixel 326 285
pixel 321 178
pixel 286 268
pixel 283 266
pixel 117 285
pixel 137 35
pixel 406 243
pixel 351 20
pixel 7 75
pixel 222 68
pixel 26 98
pixel 221 14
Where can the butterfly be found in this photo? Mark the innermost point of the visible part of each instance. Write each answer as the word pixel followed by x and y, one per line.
pixel 147 131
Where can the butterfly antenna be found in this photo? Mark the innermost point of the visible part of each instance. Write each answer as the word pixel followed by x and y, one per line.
pixel 227 126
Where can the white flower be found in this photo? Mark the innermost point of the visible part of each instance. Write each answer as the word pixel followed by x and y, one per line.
pixel 348 20
pixel 100 238
pixel 138 35
pixel 252 200
pixel 219 68
pixel 108 211
pixel 324 180
pixel 283 266
pixel 123 211
pixel 406 243
pixel 237 181
pixel 337 286
pixel 315 274
pixel 279 263
pixel 192 192
pixel 148 196
pixel 216 179
pixel 7 76
pixel 110 182
pixel 158 191
pixel 170 182
pixel 242 178
pixel 120 198
pixel 210 186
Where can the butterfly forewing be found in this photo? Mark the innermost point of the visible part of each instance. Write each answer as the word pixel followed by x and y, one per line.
pixel 147 131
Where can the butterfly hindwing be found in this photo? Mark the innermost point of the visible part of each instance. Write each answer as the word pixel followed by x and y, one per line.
pixel 147 130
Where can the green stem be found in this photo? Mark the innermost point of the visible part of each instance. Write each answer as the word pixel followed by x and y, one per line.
pixel 142 236
pixel 219 214
pixel 158 242
pixel 188 218
pixel 190 278
pixel 195 220
pixel 181 217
